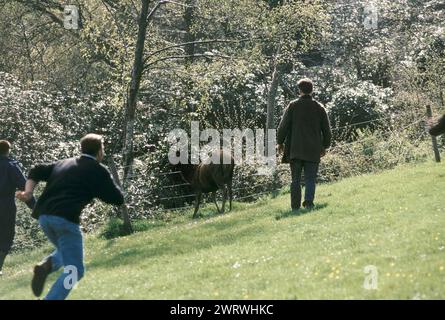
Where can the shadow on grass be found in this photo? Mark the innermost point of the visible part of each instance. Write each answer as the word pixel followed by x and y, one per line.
pixel 115 228
pixel 207 214
pixel 175 244
pixel 289 213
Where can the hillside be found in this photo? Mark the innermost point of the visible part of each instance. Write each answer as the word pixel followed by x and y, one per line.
pixel 394 221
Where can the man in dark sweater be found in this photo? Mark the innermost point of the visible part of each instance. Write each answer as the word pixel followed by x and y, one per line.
pixel 71 184
pixel 306 133
pixel 11 180
pixel 438 128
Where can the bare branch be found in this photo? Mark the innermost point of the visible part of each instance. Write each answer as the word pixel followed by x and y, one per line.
pixel 198 42
pixel 160 3
pixel 37 5
pixel 191 43
pixel 200 55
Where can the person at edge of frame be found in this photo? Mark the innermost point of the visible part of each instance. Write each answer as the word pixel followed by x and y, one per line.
pixel 71 184
pixel 438 128
pixel 11 180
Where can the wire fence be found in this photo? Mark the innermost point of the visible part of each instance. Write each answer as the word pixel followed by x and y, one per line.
pixel 249 191
pixel 360 123
pixel 336 147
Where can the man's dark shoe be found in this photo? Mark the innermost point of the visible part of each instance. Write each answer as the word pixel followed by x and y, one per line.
pixel 38 280
pixel 308 205
pixel 295 210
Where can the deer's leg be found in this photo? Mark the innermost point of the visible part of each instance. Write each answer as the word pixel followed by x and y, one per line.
pixel 224 198
pixel 214 200
pixel 197 201
pixel 230 195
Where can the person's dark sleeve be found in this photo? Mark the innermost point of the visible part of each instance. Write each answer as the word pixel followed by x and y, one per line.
pixel 19 181
pixel 107 190
pixel 17 177
pixel 439 128
pixel 325 129
pixel 41 172
pixel 283 127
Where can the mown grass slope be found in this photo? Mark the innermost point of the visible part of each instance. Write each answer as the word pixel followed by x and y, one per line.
pixel 394 221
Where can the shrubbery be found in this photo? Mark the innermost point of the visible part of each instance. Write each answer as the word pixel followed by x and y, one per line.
pixel 45 127
pixel 362 103
pixel 373 152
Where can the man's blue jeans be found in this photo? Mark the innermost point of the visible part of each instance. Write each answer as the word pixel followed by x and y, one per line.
pixel 67 238
pixel 310 176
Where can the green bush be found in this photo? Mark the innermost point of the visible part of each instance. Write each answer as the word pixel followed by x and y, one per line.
pixel 28 234
pixel 373 152
pixel 362 103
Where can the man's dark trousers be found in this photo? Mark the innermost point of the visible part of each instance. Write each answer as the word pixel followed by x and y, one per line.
pixel 310 176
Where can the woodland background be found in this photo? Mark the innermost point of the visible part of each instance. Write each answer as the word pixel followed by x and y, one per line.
pixel 135 70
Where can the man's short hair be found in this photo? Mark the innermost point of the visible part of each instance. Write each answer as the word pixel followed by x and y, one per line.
pixel 5 146
pixel 91 144
pixel 305 86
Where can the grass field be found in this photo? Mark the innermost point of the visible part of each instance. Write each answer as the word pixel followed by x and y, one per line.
pixel 394 221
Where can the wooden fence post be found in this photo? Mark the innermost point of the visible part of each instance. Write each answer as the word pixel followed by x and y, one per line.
pixel 429 114
pixel 123 209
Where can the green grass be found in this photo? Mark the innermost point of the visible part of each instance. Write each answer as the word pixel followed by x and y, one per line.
pixel 393 220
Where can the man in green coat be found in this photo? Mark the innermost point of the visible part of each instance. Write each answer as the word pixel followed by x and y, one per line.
pixel 306 133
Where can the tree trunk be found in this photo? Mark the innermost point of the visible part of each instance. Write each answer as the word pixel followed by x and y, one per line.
pixel 271 103
pixel 429 114
pixel 189 36
pixel 130 106
pixel 123 209
pixel 442 101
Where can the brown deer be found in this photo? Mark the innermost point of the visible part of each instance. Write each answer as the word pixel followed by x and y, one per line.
pixel 210 177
